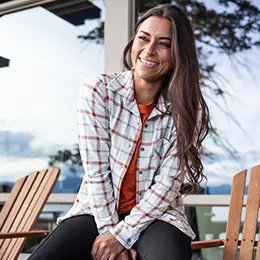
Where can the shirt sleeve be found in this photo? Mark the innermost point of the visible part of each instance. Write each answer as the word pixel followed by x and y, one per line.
pixel 94 145
pixel 154 203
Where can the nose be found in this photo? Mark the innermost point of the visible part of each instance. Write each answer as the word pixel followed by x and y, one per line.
pixel 150 48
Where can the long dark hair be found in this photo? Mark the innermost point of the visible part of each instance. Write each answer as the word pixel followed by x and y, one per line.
pixel 182 89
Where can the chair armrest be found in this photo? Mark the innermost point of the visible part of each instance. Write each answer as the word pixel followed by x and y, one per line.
pixel 24 234
pixel 195 245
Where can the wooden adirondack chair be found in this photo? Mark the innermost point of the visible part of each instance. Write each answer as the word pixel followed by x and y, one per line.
pixel 232 242
pixel 22 209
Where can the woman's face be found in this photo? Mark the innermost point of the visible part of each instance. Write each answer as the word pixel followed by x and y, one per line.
pixel 151 50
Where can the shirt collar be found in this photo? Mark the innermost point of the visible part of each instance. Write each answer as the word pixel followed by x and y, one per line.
pixel 123 84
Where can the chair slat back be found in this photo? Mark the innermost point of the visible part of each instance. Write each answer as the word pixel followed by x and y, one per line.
pixel 251 217
pixel 258 245
pixel 37 202
pixel 234 216
pixel 11 200
pixel 25 209
pixel 30 189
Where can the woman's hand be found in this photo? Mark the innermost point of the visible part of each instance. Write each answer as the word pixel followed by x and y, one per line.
pixel 106 247
pixel 128 255
pixel 133 254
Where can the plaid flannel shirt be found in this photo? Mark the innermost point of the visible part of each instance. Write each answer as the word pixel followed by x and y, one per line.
pixel 109 126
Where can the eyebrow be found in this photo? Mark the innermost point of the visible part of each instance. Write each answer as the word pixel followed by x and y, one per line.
pixel 161 38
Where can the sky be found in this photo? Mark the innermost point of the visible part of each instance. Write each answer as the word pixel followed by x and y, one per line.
pixel 39 93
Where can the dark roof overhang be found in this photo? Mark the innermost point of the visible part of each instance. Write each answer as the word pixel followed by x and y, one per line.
pixel 73 11
pixel 4 62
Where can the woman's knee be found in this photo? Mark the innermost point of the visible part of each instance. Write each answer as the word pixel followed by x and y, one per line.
pixel 72 237
pixel 161 240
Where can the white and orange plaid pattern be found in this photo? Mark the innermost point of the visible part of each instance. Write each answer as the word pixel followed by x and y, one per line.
pixel 109 126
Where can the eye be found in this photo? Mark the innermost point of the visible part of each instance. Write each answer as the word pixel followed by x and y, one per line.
pixel 143 38
pixel 165 44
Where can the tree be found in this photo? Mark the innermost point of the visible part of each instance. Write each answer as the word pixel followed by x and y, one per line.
pixel 231 29
pixel 68 158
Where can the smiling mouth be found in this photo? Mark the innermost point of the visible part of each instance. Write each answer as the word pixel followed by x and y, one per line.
pixel 148 64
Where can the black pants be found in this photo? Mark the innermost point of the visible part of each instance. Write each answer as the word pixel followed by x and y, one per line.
pixel 73 239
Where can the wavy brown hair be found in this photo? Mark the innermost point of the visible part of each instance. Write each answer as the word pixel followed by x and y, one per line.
pixel 182 89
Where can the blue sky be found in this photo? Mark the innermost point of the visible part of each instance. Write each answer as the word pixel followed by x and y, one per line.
pixel 39 92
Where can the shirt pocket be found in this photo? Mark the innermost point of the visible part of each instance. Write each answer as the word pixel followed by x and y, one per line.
pixel 161 148
pixel 159 152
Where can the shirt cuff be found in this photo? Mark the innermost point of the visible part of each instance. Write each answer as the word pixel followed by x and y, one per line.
pixel 125 234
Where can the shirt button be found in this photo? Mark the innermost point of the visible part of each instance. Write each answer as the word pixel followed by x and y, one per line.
pixel 140 172
pixel 128 240
pixel 146 125
pixel 142 149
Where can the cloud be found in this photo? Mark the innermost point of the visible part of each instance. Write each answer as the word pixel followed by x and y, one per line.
pixel 222 170
pixel 13 168
pixel 18 156
pixel 18 144
pixel 2 121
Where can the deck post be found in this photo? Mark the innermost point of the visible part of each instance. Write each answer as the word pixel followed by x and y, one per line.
pixel 120 18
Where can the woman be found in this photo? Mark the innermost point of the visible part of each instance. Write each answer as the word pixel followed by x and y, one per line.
pixel 140 132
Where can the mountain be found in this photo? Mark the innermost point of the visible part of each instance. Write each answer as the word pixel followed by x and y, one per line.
pixel 222 189
pixel 71 184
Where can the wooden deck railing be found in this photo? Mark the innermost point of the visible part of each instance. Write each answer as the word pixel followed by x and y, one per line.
pixel 189 200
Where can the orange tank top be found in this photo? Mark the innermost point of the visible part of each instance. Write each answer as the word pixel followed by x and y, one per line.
pixel 127 198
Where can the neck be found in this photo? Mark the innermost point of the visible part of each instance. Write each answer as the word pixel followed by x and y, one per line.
pixel 146 92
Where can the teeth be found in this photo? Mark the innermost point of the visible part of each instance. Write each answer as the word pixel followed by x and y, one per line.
pixel 148 63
